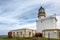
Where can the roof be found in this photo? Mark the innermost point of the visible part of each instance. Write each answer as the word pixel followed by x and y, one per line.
pixel 51 29
pixel 24 29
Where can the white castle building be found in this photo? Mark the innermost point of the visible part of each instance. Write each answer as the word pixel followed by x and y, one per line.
pixel 47 25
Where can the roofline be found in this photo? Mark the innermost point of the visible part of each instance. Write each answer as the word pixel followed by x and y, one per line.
pixel 23 29
pixel 51 29
pixel 50 17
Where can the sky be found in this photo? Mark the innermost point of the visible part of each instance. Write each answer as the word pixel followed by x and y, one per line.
pixel 16 14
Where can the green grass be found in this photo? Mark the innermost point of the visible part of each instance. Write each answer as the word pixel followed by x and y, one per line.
pixel 33 38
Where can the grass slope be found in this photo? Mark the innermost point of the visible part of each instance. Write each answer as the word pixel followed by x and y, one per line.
pixel 33 38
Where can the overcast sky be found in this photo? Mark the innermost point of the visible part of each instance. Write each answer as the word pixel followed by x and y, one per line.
pixel 16 14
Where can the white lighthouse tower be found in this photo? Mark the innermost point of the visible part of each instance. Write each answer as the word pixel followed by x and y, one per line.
pixel 44 22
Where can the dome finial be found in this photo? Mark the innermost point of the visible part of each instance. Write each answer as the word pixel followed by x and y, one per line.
pixel 41 8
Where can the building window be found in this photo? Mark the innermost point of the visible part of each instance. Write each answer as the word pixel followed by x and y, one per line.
pixel 17 33
pixel 29 33
pixel 20 33
pixel 14 34
pixel 41 21
pixel 59 34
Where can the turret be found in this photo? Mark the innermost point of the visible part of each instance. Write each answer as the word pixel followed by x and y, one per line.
pixel 41 13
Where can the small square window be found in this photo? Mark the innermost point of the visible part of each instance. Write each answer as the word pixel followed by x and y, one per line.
pixel 41 21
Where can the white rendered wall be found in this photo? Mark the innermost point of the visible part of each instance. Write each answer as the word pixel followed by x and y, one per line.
pixel 19 33
pixel 25 33
pixel 51 34
pixel 48 23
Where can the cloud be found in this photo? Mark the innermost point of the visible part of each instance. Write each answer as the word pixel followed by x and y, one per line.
pixel 7 28
pixel 15 14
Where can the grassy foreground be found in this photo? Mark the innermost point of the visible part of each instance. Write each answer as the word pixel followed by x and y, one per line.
pixel 33 38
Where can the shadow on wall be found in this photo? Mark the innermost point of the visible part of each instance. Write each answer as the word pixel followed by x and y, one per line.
pixel 9 34
pixel 38 35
